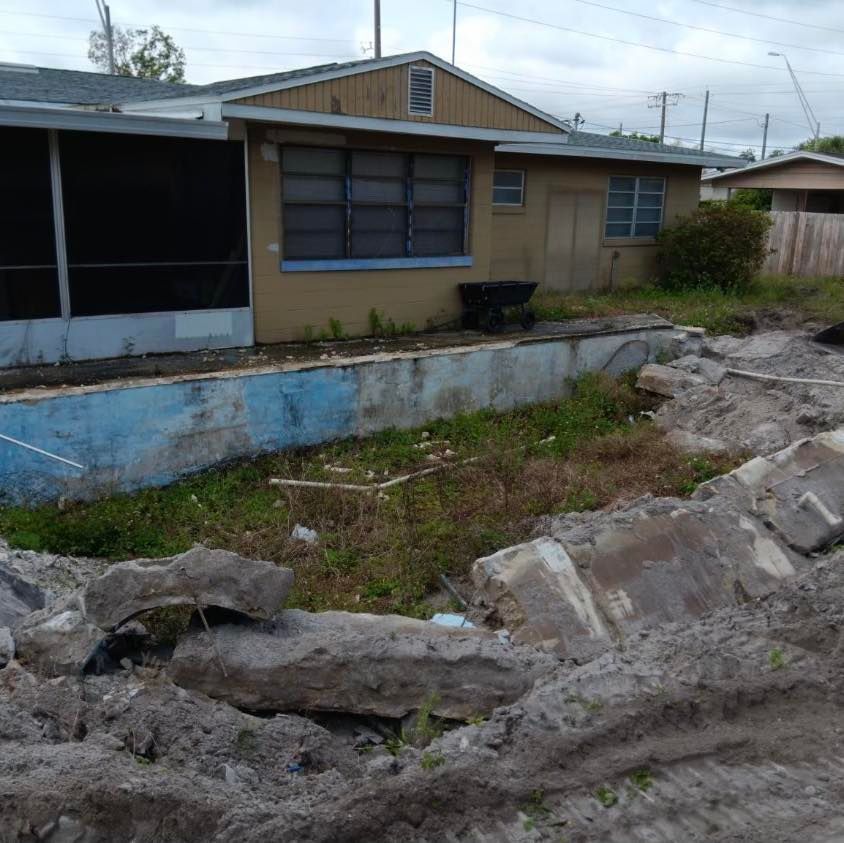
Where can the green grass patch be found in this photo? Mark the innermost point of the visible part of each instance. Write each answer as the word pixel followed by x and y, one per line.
pixel 719 312
pixel 386 553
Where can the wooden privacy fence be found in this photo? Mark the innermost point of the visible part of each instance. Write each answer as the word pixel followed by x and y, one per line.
pixel 806 244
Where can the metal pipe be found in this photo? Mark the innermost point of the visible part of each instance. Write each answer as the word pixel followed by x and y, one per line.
pixel 39 451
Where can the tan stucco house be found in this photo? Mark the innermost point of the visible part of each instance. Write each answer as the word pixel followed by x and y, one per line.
pixel 799 181
pixel 146 216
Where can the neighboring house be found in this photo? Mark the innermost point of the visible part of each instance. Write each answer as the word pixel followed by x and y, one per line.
pixel 800 181
pixel 710 191
pixel 144 216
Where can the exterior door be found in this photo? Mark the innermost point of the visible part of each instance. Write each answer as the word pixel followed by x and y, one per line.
pixel 573 240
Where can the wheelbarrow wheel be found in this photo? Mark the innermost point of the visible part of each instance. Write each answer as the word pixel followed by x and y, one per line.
pixel 528 319
pixel 495 320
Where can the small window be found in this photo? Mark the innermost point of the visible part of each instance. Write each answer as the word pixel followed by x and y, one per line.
pixel 420 95
pixel 634 206
pixel 508 187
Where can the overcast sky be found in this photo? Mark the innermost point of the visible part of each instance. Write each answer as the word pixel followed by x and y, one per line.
pixel 560 71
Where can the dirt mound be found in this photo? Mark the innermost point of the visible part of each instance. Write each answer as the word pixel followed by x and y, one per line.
pixel 722 729
pixel 754 416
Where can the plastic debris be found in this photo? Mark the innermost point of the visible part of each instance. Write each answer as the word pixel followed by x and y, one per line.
pixel 305 534
pixel 448 619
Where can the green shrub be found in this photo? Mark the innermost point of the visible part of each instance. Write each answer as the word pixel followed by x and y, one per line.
pixel 721 246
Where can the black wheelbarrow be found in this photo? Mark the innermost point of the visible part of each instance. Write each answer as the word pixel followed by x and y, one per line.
pixel 484 303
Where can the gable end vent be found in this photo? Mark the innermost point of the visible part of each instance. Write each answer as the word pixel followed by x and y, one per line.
pixel 420 98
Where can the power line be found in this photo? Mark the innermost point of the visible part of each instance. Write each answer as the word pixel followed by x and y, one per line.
pixel 183 28
pixel 720 32
pixel 638 44
pixel 768 17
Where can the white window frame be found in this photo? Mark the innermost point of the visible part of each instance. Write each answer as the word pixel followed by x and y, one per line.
pixel 410 110
pixel 521 190
pixel 632 233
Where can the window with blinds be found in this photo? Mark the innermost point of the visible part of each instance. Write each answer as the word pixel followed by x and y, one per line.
pixel 360 204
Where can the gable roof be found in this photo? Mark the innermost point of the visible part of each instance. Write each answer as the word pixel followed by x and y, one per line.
pixel 75 87
pixel 591 145
pixel 832 158
pixel 21 83
pixel 231 89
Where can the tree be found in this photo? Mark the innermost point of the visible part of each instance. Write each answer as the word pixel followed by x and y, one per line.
pixel 635 136
pixel 148 53
pixel 748 155
pixel 775 153
pixel 833 143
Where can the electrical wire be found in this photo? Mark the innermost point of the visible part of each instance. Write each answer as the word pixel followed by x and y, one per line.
pixel 768 17
pixel 638 44
pixel 719 32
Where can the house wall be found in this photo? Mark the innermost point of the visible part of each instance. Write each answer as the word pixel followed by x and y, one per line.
pixel 384 93
pixel 286 303
pixel 796 175
pixel 520 236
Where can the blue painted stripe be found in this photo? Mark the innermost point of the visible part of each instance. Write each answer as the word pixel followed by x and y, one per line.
pixel 374 263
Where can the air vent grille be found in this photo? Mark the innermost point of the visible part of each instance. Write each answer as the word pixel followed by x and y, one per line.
pixel 421 91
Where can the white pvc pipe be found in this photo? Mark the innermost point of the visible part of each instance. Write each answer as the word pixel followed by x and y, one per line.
pixel 39 451
pixel 778 378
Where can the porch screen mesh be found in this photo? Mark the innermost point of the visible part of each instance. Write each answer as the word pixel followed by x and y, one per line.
pixel 29 279
pixel 153 224
pixel 340 204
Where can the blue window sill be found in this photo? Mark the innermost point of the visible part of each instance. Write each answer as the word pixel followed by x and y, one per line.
pixel 374 263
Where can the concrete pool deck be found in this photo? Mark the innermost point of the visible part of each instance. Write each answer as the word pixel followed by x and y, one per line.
pixel 133 431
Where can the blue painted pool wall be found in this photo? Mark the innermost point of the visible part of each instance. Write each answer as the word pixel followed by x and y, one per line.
pixel 131 437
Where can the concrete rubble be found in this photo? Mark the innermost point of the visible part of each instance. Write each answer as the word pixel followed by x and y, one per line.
pixel 798 492
pixel 58 639
pixel 585 586
pixel 200 577
pixel 18 597
pixel 387 665
pixel 745 416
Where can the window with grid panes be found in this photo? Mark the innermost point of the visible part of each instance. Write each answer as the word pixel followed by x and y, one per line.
pixel 634 206
pixel 362 204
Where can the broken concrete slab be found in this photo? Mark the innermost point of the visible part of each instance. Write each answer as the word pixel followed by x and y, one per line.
pixel 199 576
pixel 703 366
pixel 7 646
pixel 357 663
pixel 798 491
pixel 18 597
pixel 587 585
pixel 667 381
pixel 58 639
pixel 693 443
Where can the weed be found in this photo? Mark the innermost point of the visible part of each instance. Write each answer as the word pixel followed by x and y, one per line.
pixel 642 779
pixel 308 334
pixel 476 720
pixel 606 796
pixel 336 328
pixel 592 706
pixel 432 760
pixel 424 730
pixel 529 824
pixel 376 324
pixel 246 741
pixel 717 311
pixel 776 659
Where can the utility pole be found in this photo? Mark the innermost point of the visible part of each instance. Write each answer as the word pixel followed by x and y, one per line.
pixel 705 114
pixel 105 19
pixel 454 32
pixel 811 118
pixel 377 29
pixel 661 101
pixel 765 135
